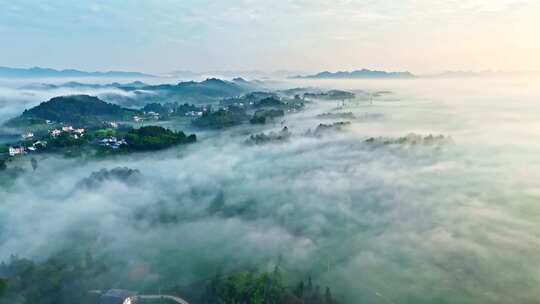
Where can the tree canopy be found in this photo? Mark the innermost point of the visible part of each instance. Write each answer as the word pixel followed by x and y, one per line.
pixel 150 138
pixel 74 109
pixel 220 119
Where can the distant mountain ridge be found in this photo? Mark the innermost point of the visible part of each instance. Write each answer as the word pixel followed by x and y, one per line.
pixel 37 72
pixel 139 93
pixel 80 85
pixel 249 74
pixel 364 73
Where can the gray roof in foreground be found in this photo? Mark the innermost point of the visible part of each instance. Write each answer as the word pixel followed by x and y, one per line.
pixel 116 296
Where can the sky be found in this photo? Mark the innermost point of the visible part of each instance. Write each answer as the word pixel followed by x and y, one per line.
pixel 160 36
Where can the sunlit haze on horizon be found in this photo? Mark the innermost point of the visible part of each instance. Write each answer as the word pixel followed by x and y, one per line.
pixel 421 36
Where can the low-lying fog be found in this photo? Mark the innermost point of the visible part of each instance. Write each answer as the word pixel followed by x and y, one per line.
pixel 379 224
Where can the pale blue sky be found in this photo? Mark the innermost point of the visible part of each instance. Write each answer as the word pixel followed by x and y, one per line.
pixel 166 35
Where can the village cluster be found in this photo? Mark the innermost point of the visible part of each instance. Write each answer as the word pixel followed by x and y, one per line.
pixel 76 133
pixel 31 144
pixel 146 116
pixel 153 116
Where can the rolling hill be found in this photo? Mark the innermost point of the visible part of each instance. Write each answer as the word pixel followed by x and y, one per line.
pixel 74 109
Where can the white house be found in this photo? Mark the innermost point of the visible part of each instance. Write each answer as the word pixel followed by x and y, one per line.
pixel 153 115
pixel 13 151
pixel 194 113
pixel 55 132
pixel 112 142
pixel 28 135
pixel 117 296
pixel 39 144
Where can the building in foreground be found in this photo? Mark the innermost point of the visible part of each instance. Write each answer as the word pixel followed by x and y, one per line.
pixel 119 296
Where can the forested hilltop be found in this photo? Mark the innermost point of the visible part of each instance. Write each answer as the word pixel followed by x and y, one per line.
pixel 78 110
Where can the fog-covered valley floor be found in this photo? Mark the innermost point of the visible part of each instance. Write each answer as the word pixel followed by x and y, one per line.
pixel 451 222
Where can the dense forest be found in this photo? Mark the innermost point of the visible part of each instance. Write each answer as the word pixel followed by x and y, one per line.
pixel 69 277
pixel 62 279
pixel 264 116
pixel 80 110
pixel 251 287
pixel 150 138
pixel 220 119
